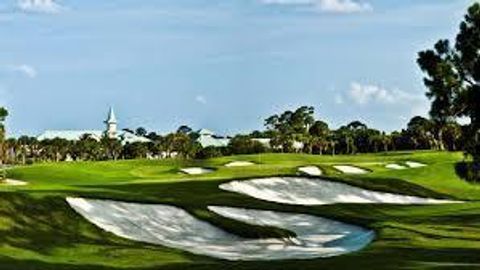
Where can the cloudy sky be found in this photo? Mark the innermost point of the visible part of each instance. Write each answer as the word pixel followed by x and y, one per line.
pixel 222 65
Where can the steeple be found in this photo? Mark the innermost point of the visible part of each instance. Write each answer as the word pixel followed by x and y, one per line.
pixel 111 119
pixel 111 123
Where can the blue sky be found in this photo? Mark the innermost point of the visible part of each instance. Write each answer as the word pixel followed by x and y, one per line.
pixel 222 65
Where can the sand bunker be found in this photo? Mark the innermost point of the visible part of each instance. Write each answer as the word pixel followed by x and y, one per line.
pixel 413 164
pixel 310 170
pixel 350 169
pixel 395 167
pixel 173 227
pixel 11 182
pixel 239 164
pixel 306 191
pixel 196 170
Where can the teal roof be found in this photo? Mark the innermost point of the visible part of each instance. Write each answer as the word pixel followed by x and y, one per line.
pixel 128 137
pixel 206 141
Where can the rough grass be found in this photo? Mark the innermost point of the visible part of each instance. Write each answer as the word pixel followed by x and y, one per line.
pixel 39 231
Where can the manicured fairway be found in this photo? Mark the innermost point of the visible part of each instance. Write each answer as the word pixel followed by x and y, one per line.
pixel 38 230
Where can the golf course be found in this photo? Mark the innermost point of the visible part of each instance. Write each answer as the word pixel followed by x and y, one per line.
pixel 40 230
pixel 240 135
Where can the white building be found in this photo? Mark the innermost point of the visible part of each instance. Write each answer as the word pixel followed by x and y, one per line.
pixel 110 131
pixel 111 123
pixel 297 146
pixel 208 138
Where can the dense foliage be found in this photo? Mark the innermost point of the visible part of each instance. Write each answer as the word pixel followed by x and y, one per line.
pixel 290 132
pixel 453 80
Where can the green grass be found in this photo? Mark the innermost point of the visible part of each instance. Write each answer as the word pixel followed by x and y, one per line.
pixel 39 231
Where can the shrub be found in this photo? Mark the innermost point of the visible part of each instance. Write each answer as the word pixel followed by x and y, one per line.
pixel 209 152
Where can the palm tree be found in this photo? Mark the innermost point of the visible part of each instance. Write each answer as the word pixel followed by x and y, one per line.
pixel 3 116
pixel 87 148
pixel 112 147
pixel 420 130
pixel 319 131
pixel 12 150
pixel 26 147
pixel 375 141
pixel 135 150
pixel 141 131
pixel 332 142
pixel 167 144
pixel 386 141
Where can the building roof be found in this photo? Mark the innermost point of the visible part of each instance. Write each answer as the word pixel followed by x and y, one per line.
pixel 128 137
pixel 205 132
pixel 264 141
pixel 111 119
pixel 206 141
pixel 71 135
pixel 75 135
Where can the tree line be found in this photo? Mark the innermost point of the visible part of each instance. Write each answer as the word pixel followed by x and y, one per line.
pixel 289 132
pixel 452 79
pixel 27 150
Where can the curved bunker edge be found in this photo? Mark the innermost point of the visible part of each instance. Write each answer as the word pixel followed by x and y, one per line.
pixel 174 227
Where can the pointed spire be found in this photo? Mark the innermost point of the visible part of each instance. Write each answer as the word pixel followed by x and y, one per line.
pixel 111 117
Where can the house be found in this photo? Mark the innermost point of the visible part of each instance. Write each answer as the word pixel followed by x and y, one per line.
pixel 71 135
pixel 297 146
pixel 110 131
pixel 207 138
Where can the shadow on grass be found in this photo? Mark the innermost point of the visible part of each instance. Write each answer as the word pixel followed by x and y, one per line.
pixel 389 258
pixel 468 171
pixel 195 196
pixel 43 223
pixel 46 224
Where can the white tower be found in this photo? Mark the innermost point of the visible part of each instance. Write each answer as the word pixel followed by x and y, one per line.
pixel 111 123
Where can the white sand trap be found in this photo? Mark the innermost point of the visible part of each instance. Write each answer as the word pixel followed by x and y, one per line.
pixel 413 164
pixel 11 182
pixel 239 164
pixel 350 169
pixel 173 227
pixel 310 170
pixel 196 170
pixel 306 191
pixel 395 167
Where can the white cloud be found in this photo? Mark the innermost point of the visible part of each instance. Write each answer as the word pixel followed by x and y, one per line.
pixel 345 6
pixel 363 94
pixel 26 70
pixel 39 6
pixel 201 99
pixel 326 6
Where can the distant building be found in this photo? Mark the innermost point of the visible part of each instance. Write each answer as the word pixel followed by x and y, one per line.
pixel 266 142
pixel 208 138
pixel 111 123
pixel 110 131
pixel 71 135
